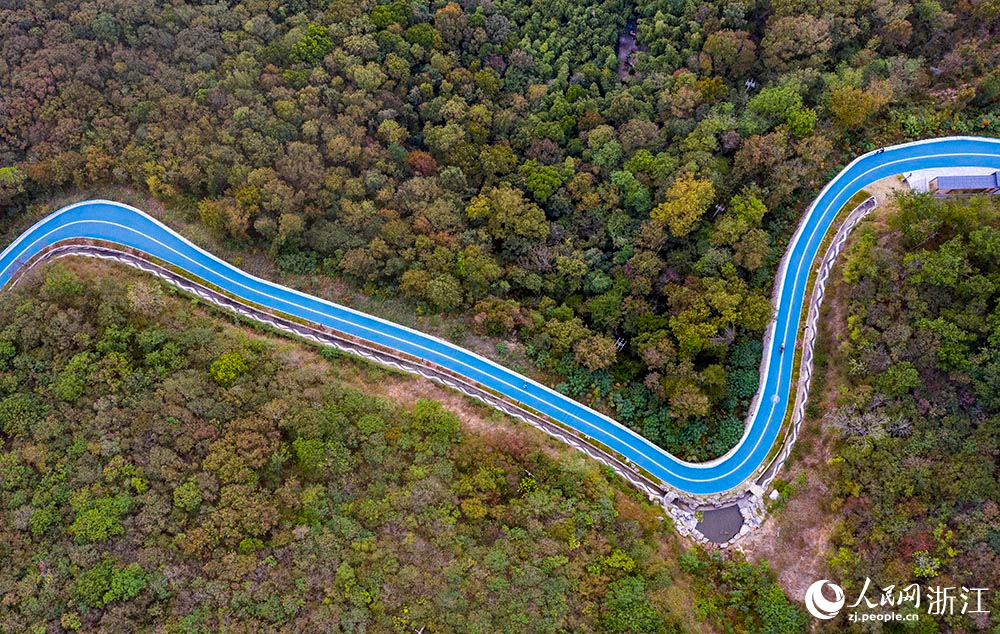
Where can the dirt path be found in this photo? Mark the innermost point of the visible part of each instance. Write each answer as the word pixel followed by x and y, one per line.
pixel 884 190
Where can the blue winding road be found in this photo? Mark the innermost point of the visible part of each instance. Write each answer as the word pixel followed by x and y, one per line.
pixel 124 225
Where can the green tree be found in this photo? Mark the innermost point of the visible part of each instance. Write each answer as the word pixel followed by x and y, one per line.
pixel 898 379
pixel 72 381
pixel 396 12
pixel 313 46
pixel 126 583
pixel 729 53
pixel 506 214
pixel 187 496
pixel 565 334
pixel 686 202
pixel 12 182
pixel 541 180
pixel 19 412
pixel 796 41
pixel 775 105
pixel 424 35
pixel 98 519
pixel 106 28
pixel 595 352
pixel 90 586
pixel 444 292
pixel 852 107
pixel 106 583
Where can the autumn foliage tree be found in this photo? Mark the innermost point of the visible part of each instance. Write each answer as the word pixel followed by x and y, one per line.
pixel 497 152
pixel 687 200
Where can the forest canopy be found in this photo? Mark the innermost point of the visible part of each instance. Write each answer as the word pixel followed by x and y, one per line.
pixel 494 159
pixel 915 418
pixel 166 468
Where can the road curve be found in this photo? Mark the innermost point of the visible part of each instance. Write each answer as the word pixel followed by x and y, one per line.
pixel 120 224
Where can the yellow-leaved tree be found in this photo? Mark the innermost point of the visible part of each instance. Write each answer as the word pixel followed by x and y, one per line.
pixel 687 201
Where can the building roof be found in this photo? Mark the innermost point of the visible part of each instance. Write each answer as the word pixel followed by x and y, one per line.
pixel 983 181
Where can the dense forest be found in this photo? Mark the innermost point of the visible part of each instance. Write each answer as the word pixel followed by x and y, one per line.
pixel 915 478
pixel 619 222
pixel 165 467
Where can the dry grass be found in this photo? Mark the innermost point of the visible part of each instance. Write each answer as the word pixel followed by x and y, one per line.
pixel 796 541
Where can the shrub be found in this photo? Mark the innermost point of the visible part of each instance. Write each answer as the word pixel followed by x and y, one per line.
pixel 229 367
pixel 299 262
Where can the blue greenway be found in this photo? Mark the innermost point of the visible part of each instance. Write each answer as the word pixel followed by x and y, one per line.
pixel 124 225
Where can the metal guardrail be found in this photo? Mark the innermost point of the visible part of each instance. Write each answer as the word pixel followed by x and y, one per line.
pixel 810 333
pixel 751 503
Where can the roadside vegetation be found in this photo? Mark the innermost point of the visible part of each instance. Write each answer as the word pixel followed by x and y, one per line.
pixel 484 159
pixel 914 472
pixel 489 167
pixel 164 464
